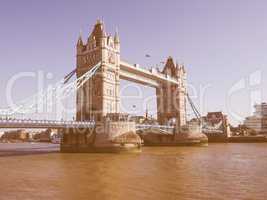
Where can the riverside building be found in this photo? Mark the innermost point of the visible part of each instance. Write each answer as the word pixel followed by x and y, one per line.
pixel 258 121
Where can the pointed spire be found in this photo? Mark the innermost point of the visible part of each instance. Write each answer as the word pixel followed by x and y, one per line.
pixel 183 68
pixel 170 62
pixel 103 28
pixel 99 32
pixel 98 21
pixel 177 64
pixel 170 67
pixel 104 31
pixel 80 40
pixel 116 37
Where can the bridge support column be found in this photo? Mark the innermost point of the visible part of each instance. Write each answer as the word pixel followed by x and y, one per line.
pixel 100 94
pixel 171 98
pixel 110 135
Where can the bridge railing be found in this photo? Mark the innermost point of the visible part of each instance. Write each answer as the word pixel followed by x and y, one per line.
pixel 147 126
pixel 62 124
pixel 43 123
pixel 17 123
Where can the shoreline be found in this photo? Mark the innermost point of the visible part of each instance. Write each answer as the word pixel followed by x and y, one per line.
pixel 27 148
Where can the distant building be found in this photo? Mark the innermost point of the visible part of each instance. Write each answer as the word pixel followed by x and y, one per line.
pixel 138 119
pixel 215 117
pixel 15 135
pixel 216 126
pixel 144 119
pixel 258 121
pixel 46 136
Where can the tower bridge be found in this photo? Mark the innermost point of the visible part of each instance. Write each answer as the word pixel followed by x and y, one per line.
pixel 99 71
pixel 100 95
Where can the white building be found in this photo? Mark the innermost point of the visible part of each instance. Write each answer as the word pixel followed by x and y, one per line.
pixel 258 121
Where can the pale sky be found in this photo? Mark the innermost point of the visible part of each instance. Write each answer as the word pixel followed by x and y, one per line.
pixel 221 44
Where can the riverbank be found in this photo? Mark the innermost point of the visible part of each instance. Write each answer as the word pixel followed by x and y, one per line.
pixel 26 148
pixel 247 139
pixel 238 139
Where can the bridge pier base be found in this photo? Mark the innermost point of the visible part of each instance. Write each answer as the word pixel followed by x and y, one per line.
pixel 107 137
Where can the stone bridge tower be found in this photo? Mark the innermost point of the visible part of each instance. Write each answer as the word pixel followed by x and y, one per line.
pixel 100 95
pixel 171 98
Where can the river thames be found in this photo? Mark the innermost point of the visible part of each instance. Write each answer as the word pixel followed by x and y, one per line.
pixel 219 172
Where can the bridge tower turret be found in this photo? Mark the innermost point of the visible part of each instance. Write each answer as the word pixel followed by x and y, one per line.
pixel 171 98
pixel 117 41
pixel 80 46
pixel 100 95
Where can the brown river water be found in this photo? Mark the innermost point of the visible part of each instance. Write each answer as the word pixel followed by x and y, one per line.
pixel 216 172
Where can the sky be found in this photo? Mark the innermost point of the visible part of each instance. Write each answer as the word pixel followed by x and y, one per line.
pixel 222 44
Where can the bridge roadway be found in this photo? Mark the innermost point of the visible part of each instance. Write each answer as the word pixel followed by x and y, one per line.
pixel 58 124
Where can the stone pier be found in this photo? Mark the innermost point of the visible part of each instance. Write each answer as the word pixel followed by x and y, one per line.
pixel 113 134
